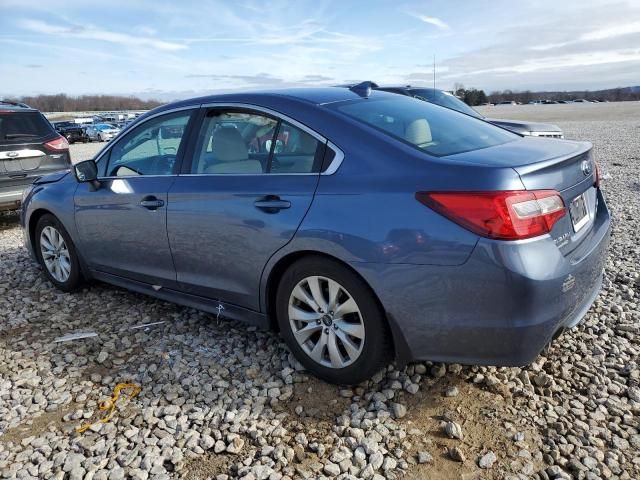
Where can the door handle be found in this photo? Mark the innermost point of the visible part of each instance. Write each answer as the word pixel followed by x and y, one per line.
pixel 151 202
pixel 272 204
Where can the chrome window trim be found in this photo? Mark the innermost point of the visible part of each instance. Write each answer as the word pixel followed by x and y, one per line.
pixel 109 146
pixel 337 160
pixel 137 176
pixel 268 111
pixel 330 170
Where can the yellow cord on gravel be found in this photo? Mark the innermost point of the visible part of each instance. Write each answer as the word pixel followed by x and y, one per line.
pixel 110 404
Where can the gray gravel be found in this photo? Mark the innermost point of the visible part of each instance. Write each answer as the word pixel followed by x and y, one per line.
pixel 85 151
pixel 222 400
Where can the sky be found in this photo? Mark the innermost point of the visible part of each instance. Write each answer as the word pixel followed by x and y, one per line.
pixel 176 49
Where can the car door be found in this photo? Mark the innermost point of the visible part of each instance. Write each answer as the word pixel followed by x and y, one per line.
pixel 246 185
pixel 122 225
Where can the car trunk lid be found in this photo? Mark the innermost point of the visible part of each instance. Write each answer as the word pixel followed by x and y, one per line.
pixel 546 164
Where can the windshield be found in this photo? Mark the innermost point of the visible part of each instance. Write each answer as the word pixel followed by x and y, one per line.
pixel 444 99
pixel 435 130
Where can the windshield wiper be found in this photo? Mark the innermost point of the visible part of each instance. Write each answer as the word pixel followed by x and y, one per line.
pixel 21 135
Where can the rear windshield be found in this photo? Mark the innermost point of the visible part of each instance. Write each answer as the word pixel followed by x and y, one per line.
pixel 16 127
pixel 444 99
pixel 435 130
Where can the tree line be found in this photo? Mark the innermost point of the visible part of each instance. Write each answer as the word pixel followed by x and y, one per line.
pixel 85 103
pixel 475 97
pixel 612 95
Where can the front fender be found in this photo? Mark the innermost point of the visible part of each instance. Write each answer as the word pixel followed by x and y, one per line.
pixel 54 197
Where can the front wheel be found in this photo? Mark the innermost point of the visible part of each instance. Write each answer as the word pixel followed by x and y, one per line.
pixel 332 321
pixel 57 254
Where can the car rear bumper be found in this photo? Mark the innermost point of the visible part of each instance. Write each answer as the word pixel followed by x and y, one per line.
pixel 501 307
pixel 11 197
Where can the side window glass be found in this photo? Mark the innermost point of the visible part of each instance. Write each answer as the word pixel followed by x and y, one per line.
pixel 294 151
pixel 232 142
pixel 150 149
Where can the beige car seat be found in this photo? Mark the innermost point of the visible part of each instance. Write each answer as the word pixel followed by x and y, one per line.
pixel 231 153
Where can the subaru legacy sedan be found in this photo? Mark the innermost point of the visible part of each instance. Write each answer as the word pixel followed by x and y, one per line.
pixel 362 225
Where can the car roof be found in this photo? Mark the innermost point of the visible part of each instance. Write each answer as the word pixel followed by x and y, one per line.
pixel 15 106
pixel 314 96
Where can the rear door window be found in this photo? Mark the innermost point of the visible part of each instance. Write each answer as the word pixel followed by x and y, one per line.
pixel 295 151
pixel 241 142
pixel 20 127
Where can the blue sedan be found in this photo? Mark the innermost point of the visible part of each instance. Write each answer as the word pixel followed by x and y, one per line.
pixel 363 225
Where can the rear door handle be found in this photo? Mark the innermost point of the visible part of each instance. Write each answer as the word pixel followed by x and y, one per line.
pixel 151 203
pixel 272 204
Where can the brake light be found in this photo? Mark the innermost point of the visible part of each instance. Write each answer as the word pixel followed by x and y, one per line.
pixel 57 144
pixel 503 215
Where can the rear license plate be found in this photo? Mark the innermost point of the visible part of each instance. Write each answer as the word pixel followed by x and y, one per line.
pixel 578 212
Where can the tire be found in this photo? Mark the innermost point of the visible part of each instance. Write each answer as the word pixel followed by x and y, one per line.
pixel 66 276
pixel 352 358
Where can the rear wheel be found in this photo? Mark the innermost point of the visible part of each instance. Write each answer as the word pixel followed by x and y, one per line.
pixel 331 321
pixel 57 254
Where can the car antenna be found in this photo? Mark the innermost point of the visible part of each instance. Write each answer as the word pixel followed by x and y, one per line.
pixel 363 88
pixel 434 76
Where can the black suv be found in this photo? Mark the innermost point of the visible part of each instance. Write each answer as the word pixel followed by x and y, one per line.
pixel 29 148
pixel 72 131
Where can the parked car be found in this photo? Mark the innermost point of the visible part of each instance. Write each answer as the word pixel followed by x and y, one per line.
pixel 363 225
pixel 102 132
pixel 29 148
pixel 72 131
pixel 446 99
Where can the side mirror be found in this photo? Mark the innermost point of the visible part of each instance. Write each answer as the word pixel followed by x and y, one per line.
pixel 87 172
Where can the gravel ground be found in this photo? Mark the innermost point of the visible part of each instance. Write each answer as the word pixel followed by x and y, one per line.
pixel 222 400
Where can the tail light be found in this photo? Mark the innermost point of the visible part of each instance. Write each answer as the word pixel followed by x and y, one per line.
pixel 57 144
pixel 504 215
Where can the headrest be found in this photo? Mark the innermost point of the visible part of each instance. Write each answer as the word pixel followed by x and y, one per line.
pixel 418 132
pixel 229 146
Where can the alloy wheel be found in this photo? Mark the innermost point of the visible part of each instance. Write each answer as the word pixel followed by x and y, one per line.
pixel 326 322
pixel 55 254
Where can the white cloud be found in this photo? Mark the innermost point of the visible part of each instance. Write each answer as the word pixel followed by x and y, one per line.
pixel 562 62
pixel 594 35
pixel 93 33
pixel 613 31
pixel 433 21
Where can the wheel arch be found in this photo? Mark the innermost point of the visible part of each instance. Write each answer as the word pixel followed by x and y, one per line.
pixel 36 215
pixel 400 347
pixel 32 222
